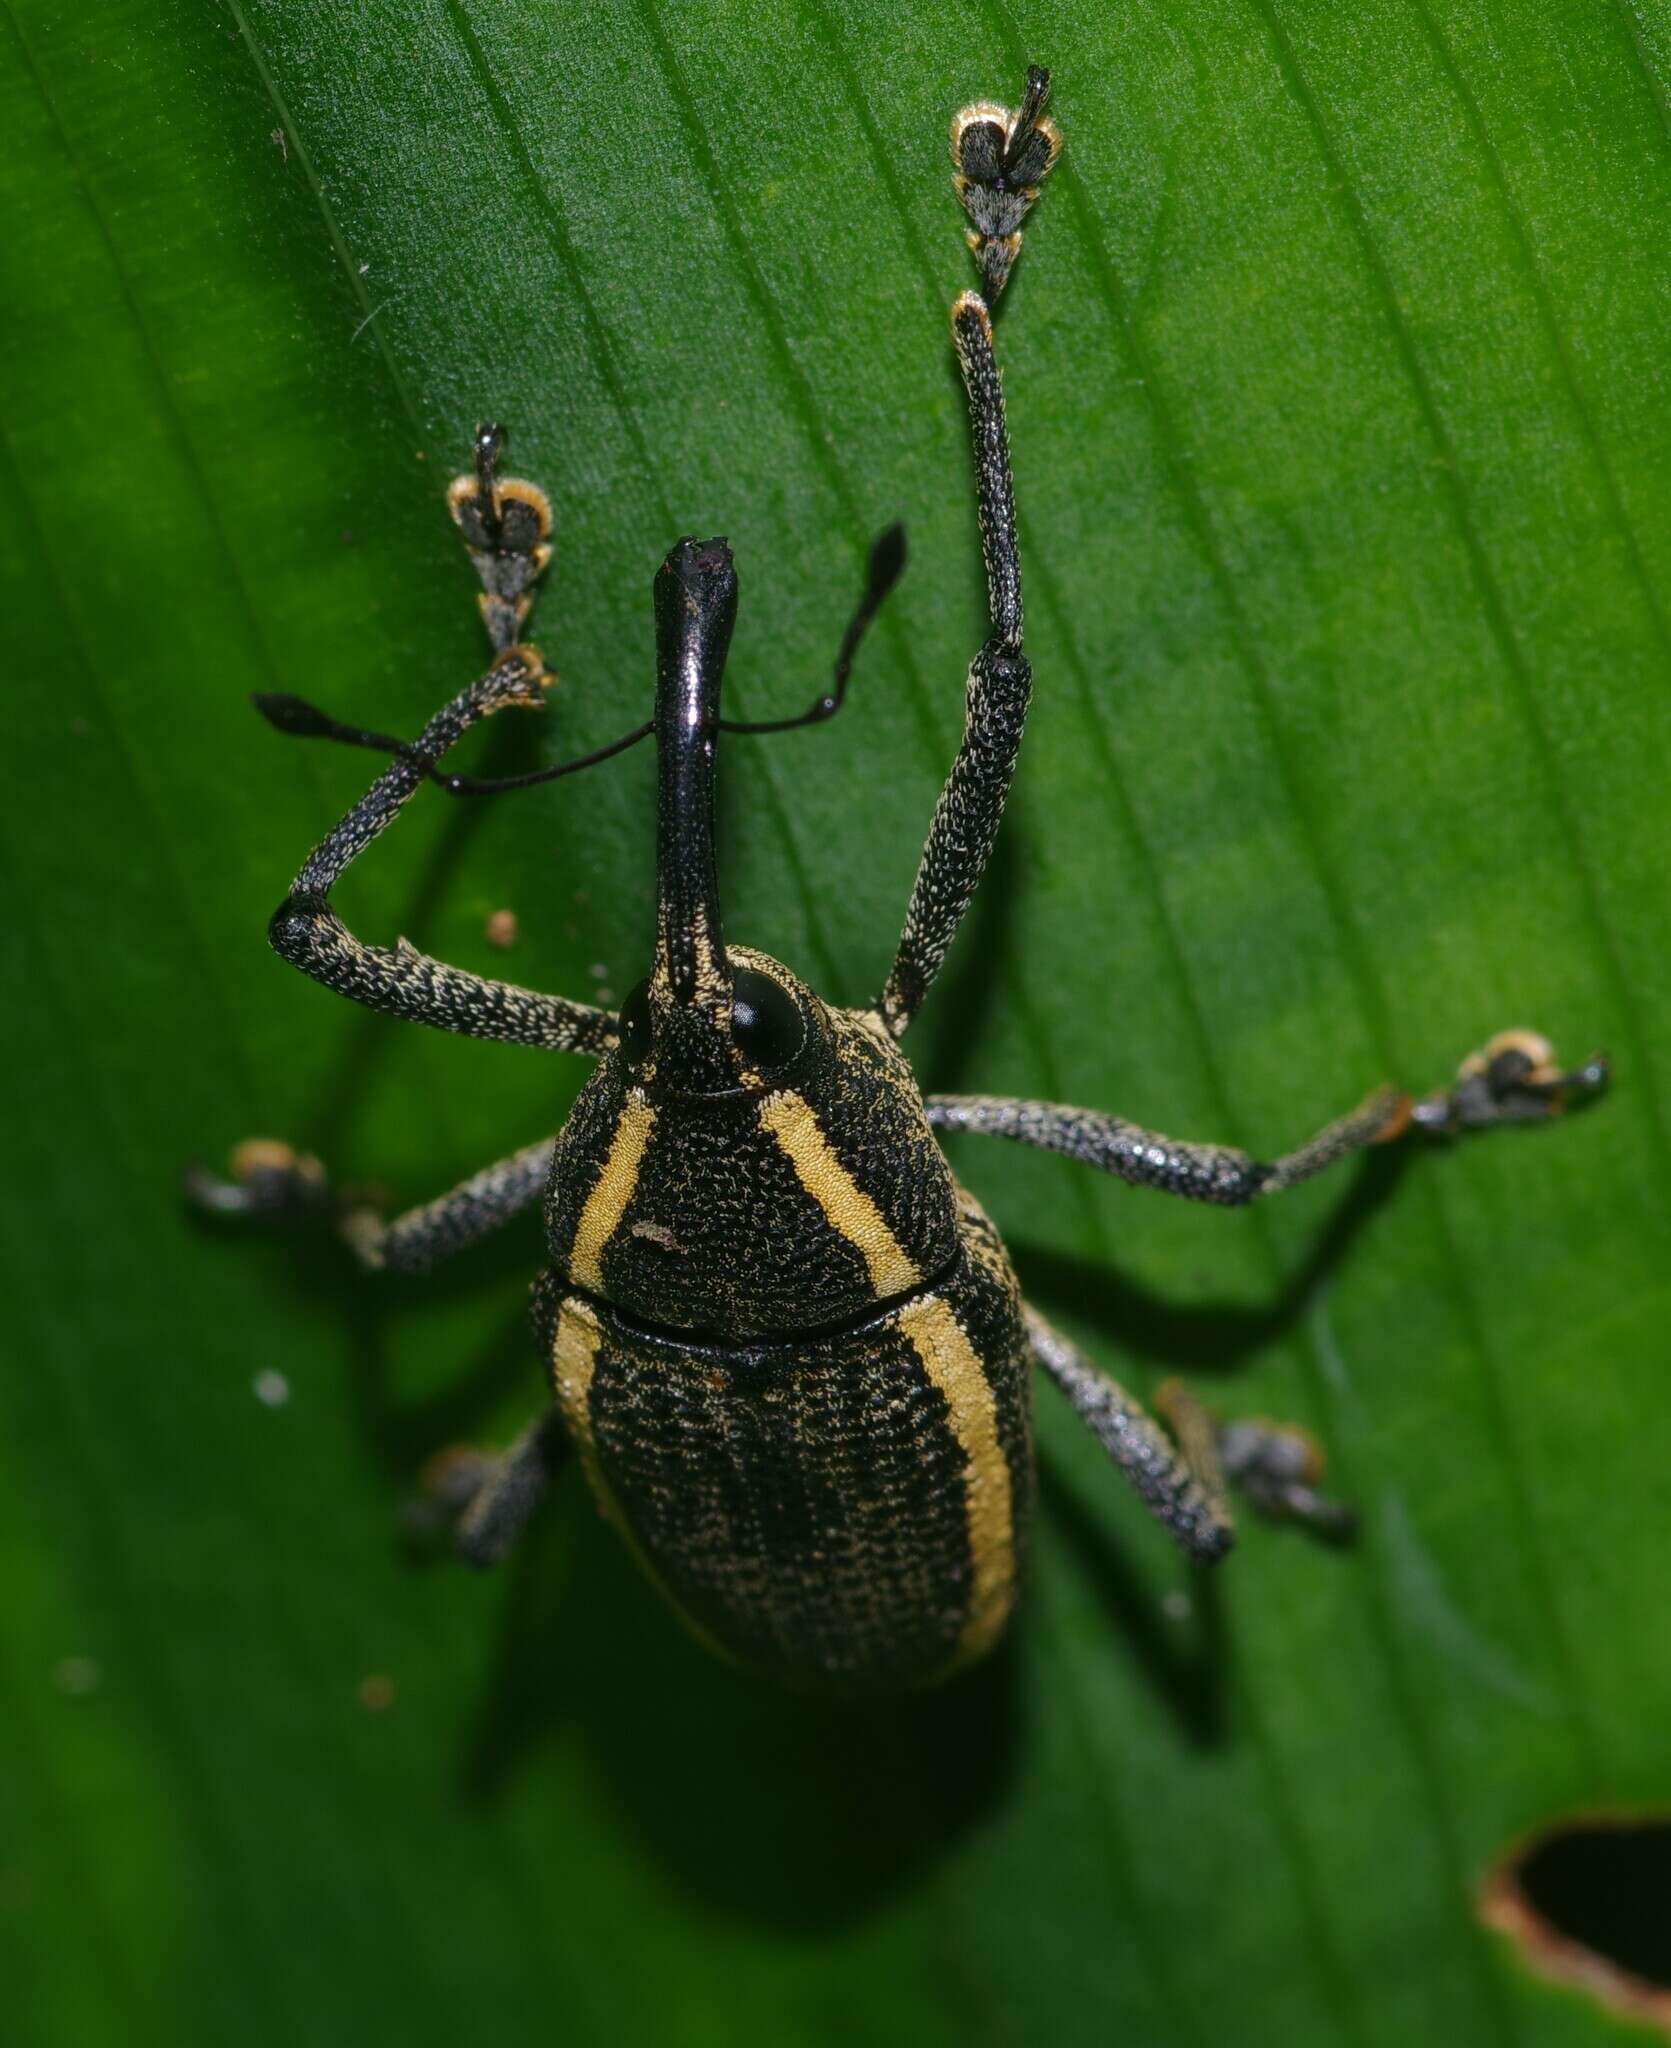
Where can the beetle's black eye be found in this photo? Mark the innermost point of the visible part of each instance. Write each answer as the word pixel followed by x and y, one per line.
pixel 766 1020
pixel 635 1026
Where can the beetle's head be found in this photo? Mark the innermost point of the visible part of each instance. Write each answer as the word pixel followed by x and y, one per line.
pixel 748 1161
pixel 701 1024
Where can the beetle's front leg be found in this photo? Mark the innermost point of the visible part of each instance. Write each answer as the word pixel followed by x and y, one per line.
pixel 402 982
pixel 1001 158
pixel 506 524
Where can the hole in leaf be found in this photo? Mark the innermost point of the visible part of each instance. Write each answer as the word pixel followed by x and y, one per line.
pixel 1588 1900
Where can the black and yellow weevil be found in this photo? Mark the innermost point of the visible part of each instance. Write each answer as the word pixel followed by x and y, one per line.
pixel 786 1348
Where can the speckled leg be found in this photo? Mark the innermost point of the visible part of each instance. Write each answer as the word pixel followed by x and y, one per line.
pixel 504 523
pixel 1186 1497
pixel 496 1496
pixel 1514 1079
pixel 274 1184
pixel 1274 1465
pixel 477 1207
pixel 1001 158
pixel 402 982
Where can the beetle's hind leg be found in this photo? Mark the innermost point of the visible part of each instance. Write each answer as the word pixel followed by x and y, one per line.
pixel 1274 1465
pixel 1182 1479
pixel 506 524
pixel 491 1497
pixel 1181 1484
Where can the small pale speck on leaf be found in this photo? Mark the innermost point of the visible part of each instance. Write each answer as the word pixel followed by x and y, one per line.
pixel 77 1678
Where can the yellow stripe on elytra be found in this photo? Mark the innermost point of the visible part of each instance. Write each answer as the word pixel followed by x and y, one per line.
pixel 951 1364
pixel 607 1203
pixel 845 1204
pixel 574 1361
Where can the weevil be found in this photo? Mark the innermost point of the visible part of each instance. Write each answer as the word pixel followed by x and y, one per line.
pixel 785 1347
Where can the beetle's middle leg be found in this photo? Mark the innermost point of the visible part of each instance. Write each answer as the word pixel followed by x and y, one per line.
pixel 488 1495
pixel 273 1183
pixel 1514 1079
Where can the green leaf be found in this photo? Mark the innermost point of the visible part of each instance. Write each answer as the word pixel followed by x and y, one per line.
pixel 1341 428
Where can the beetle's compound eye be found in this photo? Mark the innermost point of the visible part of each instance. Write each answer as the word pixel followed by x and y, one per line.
pixel 635 1026
pixel 766 1020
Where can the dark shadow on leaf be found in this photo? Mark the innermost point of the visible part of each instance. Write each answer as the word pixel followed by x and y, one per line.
pixel 1183 1662
pixel 408 1432
pixel 794 1812
pixel 1202 1336
pixel 313 1264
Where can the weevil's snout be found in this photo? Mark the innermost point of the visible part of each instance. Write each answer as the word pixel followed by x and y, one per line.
pixel 703 1024
pixel 690 991
pixel 699 578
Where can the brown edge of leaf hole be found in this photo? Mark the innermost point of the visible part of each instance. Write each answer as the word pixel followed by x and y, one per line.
pixel 1504 1907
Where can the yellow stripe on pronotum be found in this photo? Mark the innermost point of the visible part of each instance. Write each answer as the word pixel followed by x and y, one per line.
pixel 951 1364
pixel 845 1204
pixel 607 1203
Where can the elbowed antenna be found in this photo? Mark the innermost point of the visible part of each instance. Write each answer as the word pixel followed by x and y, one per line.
pixel 302 720
pixel 696 607
pixel 305 721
